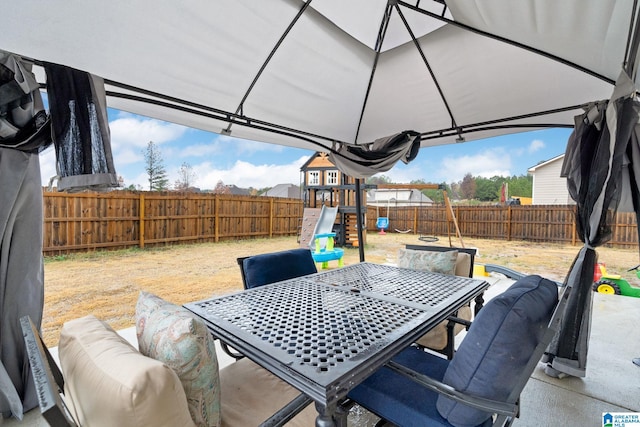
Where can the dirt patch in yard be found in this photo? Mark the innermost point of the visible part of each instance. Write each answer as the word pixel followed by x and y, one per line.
pixel 107 284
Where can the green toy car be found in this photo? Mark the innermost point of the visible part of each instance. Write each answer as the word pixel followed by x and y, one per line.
pixel 614 283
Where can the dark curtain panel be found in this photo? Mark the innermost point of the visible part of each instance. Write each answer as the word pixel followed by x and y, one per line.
pixel 80 129
pixel 24 132
pixel 601 167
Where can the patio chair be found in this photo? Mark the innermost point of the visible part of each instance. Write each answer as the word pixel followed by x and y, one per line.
pixel 442 337
pixel 259 270
pixel 48 379
pixel 243 386
pixel 481 385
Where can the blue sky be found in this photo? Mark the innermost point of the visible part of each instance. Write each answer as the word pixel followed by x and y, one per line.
pixel 255 164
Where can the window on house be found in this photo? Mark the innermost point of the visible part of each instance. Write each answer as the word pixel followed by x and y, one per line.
pixel 314 178
pixel 332 178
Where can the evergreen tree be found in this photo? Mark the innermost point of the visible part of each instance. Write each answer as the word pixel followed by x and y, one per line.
pixel 520 186
pixel 154 167
pixel 488 189
pixel 434 194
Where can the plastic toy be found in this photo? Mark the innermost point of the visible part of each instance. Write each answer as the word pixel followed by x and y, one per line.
pixel 382 223
pixel 326 251
pixel 614 283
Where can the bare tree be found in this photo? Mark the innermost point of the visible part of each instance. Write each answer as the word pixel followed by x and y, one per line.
pixel 468 187
pixel 221 188
pixel 186 178
pixel 154 167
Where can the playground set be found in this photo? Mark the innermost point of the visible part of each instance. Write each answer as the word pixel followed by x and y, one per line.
pixel 383 221
pixel 324 185
pixel 330 219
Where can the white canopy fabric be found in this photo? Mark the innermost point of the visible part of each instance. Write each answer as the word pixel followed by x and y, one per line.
pixel 307 74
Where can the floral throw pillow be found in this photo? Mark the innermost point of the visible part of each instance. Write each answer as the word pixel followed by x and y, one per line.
pixel 172 335
pixel 436 262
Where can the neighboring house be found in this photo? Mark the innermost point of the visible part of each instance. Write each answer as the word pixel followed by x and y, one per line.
pixel 549 188
pixel 290 191
pixel 234 189
pixel 386 197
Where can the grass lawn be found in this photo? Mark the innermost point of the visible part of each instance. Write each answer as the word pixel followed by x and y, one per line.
pixel 107 284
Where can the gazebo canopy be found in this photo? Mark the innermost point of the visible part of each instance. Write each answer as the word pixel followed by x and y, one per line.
pixel 307 74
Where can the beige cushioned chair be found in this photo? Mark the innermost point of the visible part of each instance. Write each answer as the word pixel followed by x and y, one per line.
pixel 441 338
pixel 108 382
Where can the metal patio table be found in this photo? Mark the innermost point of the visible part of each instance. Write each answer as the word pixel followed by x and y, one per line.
pixel 326 332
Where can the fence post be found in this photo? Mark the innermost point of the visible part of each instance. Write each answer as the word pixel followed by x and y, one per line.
pixel 216 218
pixel 574 232
pixel 141 238
pixel 509 216
pixel 271 215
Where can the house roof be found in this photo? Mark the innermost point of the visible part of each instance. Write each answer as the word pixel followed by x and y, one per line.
pixel 545 163
pixel 318 160
pixel 234 189
pixel 290 191
pixel 409 195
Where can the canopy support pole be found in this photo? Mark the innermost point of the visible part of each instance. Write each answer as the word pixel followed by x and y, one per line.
pixel 359 221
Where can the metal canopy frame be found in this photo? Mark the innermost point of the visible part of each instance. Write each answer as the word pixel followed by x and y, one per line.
pixel 240 119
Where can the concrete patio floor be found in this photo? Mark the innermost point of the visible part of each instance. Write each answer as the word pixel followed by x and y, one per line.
pixel 612 382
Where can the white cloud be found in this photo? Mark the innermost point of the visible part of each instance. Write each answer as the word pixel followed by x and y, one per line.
pixel 141 181
pixel 244 146
pixel 536 145
pixel 240 147
pixel 48 165
pixel 128 156
pixel 245 174
pixel 404 175
pixel 201 150
pixel 134 131
pixel 486 164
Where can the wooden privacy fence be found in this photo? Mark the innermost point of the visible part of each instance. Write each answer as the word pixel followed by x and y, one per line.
pixel 87 221
pixel 537 223
pixel 119 219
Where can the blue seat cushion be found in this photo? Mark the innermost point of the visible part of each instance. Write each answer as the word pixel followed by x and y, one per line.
pixel 497 347
pixel 397 398
pixel 273 267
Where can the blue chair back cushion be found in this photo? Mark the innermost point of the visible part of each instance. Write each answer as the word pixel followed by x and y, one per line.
pixel 498 346
pixel 273 267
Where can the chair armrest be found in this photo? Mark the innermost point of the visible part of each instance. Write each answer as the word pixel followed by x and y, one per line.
pixel 288 411
pixel 509 273
pixel 488 405
pixel 230 352
pixel 47 377
pixel 461 321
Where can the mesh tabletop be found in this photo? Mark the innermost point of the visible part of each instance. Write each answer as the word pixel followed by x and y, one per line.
pixel 407 285
pixel 325 332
